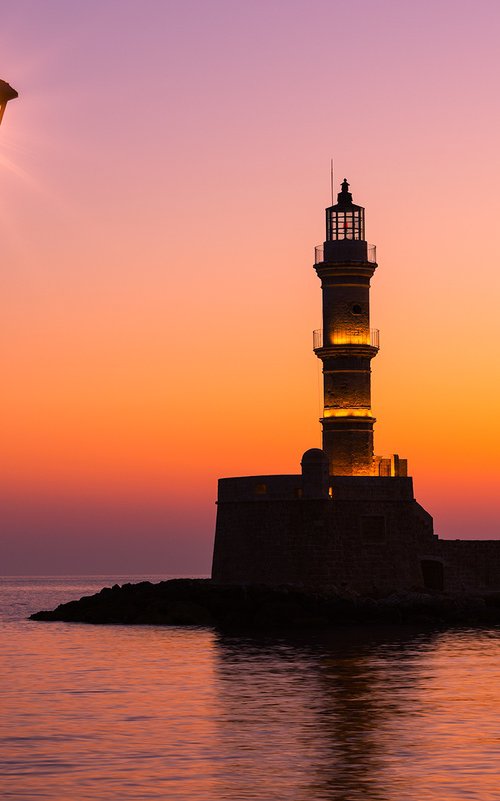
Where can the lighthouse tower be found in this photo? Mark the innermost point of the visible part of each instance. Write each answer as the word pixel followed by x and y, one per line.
pixel 349 519
pixel 346 344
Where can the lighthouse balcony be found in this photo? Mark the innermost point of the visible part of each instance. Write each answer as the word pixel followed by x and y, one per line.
pixel 342 336
pixel 345 250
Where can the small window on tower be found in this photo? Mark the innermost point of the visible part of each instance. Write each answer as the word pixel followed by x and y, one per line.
pixel 356 309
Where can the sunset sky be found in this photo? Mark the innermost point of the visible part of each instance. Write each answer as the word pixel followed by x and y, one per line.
pixel 164 175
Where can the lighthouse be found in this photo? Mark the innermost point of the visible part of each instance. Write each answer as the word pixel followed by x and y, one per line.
pixel 350 518
pixel 346 344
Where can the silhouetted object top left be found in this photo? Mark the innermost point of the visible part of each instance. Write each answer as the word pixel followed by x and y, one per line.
pixel 6 93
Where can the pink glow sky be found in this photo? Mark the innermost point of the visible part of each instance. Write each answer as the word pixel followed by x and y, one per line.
pixel 164 175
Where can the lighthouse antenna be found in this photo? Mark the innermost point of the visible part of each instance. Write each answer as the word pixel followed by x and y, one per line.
pixel 331 178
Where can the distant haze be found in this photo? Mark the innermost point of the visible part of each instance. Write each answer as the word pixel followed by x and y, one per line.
pixel 164 175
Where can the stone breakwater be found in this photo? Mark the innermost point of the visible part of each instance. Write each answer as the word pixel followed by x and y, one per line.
pixel 201 602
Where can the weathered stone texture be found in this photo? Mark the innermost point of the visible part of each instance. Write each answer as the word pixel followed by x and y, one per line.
pixel 470 565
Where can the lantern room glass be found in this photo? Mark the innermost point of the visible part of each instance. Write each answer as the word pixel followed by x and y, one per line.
pixel 345 222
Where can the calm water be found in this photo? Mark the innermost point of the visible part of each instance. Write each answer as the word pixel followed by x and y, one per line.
pixel 177 713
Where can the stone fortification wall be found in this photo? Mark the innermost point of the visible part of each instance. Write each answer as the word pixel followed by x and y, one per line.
pixel 365 535
pixel 470 565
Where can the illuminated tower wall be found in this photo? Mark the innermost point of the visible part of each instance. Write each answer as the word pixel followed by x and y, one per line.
pixel 346 344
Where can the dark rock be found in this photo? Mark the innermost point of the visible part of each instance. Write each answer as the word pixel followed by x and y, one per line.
pixel 201 602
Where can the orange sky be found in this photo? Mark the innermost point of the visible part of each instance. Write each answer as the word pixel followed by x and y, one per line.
pixel 164 177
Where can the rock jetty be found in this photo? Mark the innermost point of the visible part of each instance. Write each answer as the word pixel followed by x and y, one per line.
pixel 201 602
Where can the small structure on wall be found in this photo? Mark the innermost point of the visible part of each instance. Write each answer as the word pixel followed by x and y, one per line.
pixel 349 520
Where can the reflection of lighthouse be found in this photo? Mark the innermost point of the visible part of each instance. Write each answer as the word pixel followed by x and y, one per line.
pixel 346 344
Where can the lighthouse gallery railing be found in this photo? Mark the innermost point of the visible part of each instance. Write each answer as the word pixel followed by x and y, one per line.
pixel 341 336
pixel 371 254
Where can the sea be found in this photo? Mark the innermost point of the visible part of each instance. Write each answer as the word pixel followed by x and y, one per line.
pixel 149 712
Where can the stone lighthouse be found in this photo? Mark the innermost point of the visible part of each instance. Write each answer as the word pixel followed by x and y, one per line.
pixel 346 344
pixel 350 518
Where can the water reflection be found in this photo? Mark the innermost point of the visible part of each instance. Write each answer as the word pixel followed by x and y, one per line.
pixel 330 718
pixel 348 726
pixel 364 686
